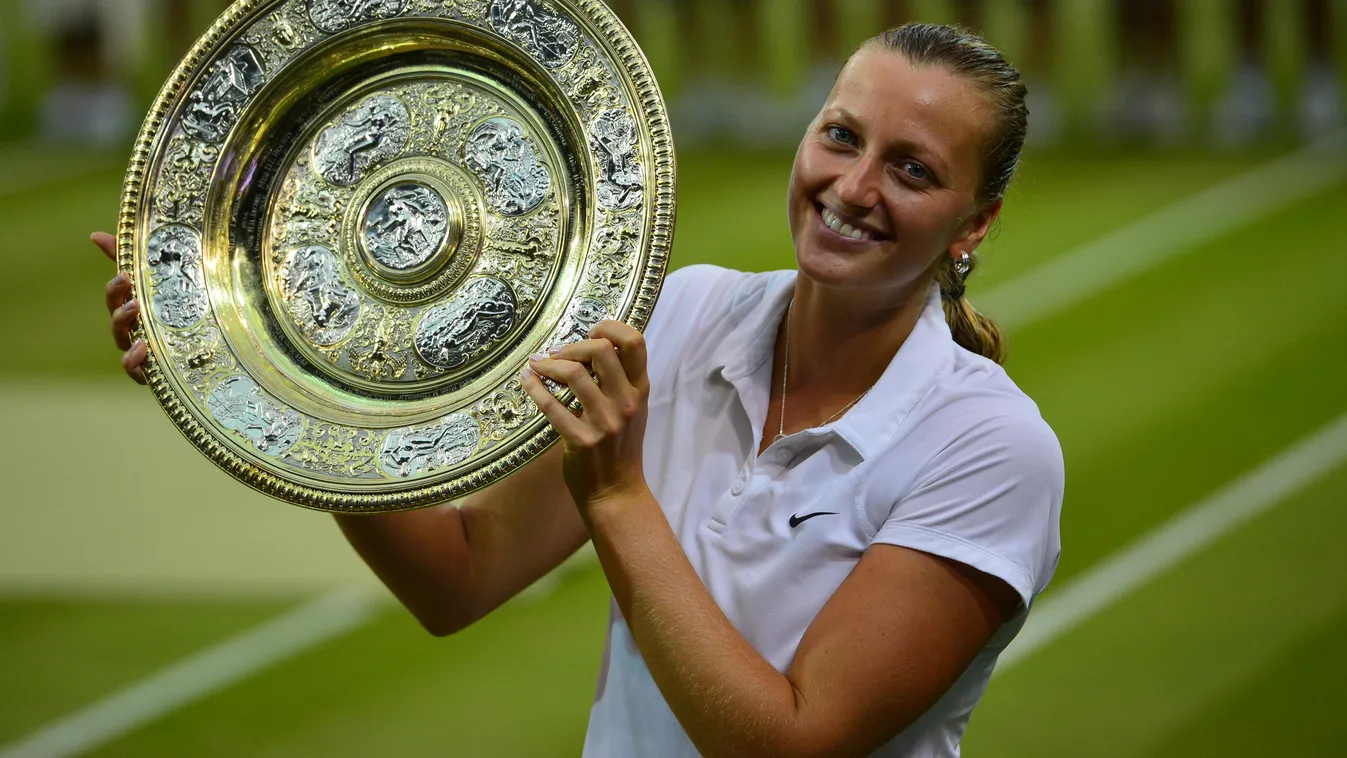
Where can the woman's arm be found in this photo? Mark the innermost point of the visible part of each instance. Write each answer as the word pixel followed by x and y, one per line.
pixel 893 638
pixel 449 565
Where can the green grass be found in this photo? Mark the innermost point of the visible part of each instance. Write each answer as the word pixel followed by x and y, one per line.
pixel 60 655
pixel 1154 674
pixel 518 683
pixel 1162 390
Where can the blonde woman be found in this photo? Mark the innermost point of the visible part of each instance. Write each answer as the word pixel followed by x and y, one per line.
pixel 822 506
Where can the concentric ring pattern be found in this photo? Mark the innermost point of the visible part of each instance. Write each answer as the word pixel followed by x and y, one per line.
pixel 352 222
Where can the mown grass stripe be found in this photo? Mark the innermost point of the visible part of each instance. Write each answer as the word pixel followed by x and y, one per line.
pixel 210 671
pixel 1178 228
pixel 1189 532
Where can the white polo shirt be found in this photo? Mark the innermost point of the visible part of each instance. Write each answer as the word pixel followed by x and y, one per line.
pixel 945 455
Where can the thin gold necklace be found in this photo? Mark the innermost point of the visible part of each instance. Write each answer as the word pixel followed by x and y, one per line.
pixel 785 374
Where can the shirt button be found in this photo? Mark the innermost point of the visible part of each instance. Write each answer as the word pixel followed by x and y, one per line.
pixel 737 489
pixel 784 455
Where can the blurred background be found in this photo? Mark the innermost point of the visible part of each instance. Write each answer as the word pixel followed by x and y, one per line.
pixel 1169 266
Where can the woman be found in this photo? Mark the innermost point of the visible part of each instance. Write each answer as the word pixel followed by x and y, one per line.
pixel 822 507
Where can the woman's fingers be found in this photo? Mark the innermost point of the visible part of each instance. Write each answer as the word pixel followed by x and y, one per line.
pixel 114 294
pixel 599 354
pixel 133 361
pixel 630 345
pixel 107 243
pixel 124 313
pixel 576 376
pixel 571 428
pixel 123 319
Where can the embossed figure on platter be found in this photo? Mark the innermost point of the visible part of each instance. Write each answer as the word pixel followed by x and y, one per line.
pixel 323 307
pixel 174 256
pixel 411 452
pixel 504 411
pixel 507 164
pixel 615 139
pixel 584 314
pixel 381 348
pixel 201 356
pixel 213 109
pixel 339 451
pixel 463 328
pixel 374 131
pixel 549 37
pixel 241 407
pixel 406 226
pixel 181 193
pixel 334 16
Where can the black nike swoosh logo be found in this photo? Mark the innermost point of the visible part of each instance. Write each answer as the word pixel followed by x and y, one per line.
pixel 797 519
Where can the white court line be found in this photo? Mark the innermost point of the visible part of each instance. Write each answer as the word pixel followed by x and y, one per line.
pixel 205 673
pixel 1036 295
pixel 1186 534
pixel 1187 224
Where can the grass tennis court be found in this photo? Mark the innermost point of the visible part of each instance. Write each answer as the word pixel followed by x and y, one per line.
pixel 1163 389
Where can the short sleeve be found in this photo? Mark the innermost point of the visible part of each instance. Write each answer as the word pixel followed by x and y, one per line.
pixel 690 297
pixel 991 500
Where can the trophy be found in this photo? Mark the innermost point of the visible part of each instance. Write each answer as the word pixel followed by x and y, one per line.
pixel 352 221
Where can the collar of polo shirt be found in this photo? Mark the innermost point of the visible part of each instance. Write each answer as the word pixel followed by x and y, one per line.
pixel 869 425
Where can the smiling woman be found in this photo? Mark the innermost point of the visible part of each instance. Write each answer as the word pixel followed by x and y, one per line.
pixel 821 505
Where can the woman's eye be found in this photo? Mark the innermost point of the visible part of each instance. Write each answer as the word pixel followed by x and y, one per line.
pixel 916 171
pixel 841 134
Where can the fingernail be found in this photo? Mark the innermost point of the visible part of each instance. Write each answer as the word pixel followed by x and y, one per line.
pixel 132 306
pixel 525 374
pixel 537 357
pixel 138 343
pixel 555 350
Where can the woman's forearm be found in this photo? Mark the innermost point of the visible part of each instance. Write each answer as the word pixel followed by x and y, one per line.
pixel 728 698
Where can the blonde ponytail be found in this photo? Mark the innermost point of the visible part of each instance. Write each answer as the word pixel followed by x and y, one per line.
pixel 973 331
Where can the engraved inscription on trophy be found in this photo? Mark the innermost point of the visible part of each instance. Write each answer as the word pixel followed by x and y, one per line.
pixel 373 131
pixel 455 332
pixel 412 452
pixel 334 16
pixel 614 138
pixel 213 109
pixel 406 226
pixel 174 256
pixel 500 154
pixel 323 307
pixel 241 407
pixel 550 38
pixel 584 314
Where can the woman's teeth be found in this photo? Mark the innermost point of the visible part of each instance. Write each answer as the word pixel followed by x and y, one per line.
pixel 846 230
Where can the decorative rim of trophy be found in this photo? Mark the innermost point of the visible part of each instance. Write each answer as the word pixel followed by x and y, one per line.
pixel 350 223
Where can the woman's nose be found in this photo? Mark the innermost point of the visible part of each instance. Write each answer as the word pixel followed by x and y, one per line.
pixel 858 186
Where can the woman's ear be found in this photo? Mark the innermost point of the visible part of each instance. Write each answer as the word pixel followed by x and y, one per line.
pixel 975 230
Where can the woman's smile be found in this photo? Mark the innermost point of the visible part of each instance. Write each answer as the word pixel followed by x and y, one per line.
pixel 845 229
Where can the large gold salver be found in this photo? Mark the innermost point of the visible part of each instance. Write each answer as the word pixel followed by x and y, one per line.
pixel 352 221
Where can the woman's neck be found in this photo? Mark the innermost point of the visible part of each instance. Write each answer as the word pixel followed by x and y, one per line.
pixel 842 341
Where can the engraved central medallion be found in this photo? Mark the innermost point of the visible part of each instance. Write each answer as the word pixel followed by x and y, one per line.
pixel 406 226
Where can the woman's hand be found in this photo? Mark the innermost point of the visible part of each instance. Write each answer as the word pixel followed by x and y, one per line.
pixel 124 313
pixel 603 460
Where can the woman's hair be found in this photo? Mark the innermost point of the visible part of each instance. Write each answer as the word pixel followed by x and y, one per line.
pixel 966 54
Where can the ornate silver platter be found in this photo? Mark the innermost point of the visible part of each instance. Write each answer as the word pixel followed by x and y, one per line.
pixel 352 221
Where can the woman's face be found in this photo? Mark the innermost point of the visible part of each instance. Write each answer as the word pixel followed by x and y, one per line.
pixel 885 181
